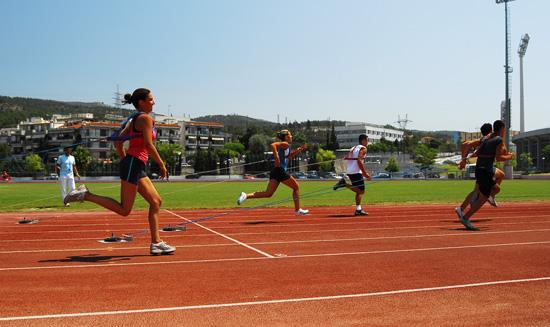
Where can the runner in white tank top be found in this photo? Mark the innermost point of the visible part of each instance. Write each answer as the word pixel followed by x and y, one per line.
pixel 356 172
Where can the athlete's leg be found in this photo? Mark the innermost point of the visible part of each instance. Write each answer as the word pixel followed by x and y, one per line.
pixel 469 198
pixel 291 182
pixel 150 194
pixel 71 184
pixel 63 186
pixel 271 188
pixel 499 177
pixel 476 206
pixel 128 193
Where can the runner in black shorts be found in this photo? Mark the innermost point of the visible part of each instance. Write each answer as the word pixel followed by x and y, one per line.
pixel 356 172
pixel 490 149
pixel 281 155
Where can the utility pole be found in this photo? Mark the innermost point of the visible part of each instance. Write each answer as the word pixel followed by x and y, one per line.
pixel 508 170
pixel 521 51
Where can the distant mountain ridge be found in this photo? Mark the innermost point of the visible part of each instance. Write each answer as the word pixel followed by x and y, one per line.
pixel 16 109
pixel 235 120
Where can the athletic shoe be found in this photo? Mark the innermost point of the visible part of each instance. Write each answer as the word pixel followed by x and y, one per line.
pixel 241 198
pixel 67 204
pixel 492 201
pixel 467 223
pixel 459 212
pixel 361 213
pixel 76 195
pixel 302 212
pixel 341 183
pixel 161 248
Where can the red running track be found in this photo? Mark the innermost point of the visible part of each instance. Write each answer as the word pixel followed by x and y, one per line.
pixel 400 266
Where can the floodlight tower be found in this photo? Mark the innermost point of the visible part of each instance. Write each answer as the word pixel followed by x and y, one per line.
pixel 521 51
pixel 507 70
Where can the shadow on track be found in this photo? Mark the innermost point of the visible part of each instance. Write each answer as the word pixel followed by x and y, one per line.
pixel 95 258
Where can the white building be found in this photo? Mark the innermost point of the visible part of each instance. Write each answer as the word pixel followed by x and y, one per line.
pixel 348 135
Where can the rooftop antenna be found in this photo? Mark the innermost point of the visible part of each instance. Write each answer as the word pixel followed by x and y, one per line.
pixel 403 122
pixel 118 100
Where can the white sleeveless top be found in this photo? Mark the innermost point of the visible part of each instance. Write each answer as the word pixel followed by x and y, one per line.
pixel 353 166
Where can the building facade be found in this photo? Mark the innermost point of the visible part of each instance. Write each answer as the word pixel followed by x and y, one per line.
pixel 534 143
pixel 348 135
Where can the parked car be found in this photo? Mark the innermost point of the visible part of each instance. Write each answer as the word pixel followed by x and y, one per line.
pixel 382 175
pixel 329 175
pixel 312 175
pixel 298 175
pixel 52 177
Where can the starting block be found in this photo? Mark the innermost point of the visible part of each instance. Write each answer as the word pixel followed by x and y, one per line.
pixel 176 228
pixel 26 221
pixel 116 239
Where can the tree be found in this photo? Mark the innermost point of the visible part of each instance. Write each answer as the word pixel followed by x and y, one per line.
pixel 299 138
pixel 83 159
pixel 325 159
pixel 425 156
pixel 235 147
pixel 392 166
pixel 526 160
pixel 257 144
pixel 5 150
pixel 33 164
pixel 170 153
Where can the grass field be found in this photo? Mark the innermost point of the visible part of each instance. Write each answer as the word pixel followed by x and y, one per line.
pixel 181 195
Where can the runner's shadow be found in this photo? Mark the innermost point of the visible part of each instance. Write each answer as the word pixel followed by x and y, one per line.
pixel 471 220
pixel 267 222
pixel 341 216
pixel 95 258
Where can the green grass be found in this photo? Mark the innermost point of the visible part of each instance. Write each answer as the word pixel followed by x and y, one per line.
pixel 182 195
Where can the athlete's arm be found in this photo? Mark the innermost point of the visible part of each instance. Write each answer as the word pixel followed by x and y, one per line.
pixel 76 171
pixel 295 152
pixel 145 125
pixel 503 154
pixel 465 149
pixel 360 157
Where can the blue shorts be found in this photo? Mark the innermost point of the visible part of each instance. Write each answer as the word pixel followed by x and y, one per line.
pixel 132 169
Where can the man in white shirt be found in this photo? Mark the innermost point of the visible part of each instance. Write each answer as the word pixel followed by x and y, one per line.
pixel 65 166
pixel 355 173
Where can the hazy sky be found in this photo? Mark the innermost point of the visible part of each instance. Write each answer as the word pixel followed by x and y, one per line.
pixel 440 62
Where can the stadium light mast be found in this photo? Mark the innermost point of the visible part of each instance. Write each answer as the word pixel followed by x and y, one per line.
pixel 506 115
pixel 521 51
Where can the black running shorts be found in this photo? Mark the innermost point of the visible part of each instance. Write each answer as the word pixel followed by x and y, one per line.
pixel 485 181
pixel 279 174
pixel 357 181
pixel 132 169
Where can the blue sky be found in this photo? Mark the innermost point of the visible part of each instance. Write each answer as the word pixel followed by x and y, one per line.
pixel 440 62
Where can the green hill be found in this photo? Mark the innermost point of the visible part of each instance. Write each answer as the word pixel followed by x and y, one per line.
pixel 16 109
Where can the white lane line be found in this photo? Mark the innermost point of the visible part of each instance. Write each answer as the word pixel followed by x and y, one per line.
pixel 457 224
pixel 223 235
pixel 110 265
pixel 313 218
pixel 291 300
pixel 287 242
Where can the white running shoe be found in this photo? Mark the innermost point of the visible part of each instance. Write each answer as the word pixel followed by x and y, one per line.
pixel 76 195
pixel 302 212
pixel 492 201
pixel 241 198
pixel 161 248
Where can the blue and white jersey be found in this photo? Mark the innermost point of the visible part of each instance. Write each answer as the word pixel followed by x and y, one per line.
pixel 66 162
pixel 283 157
